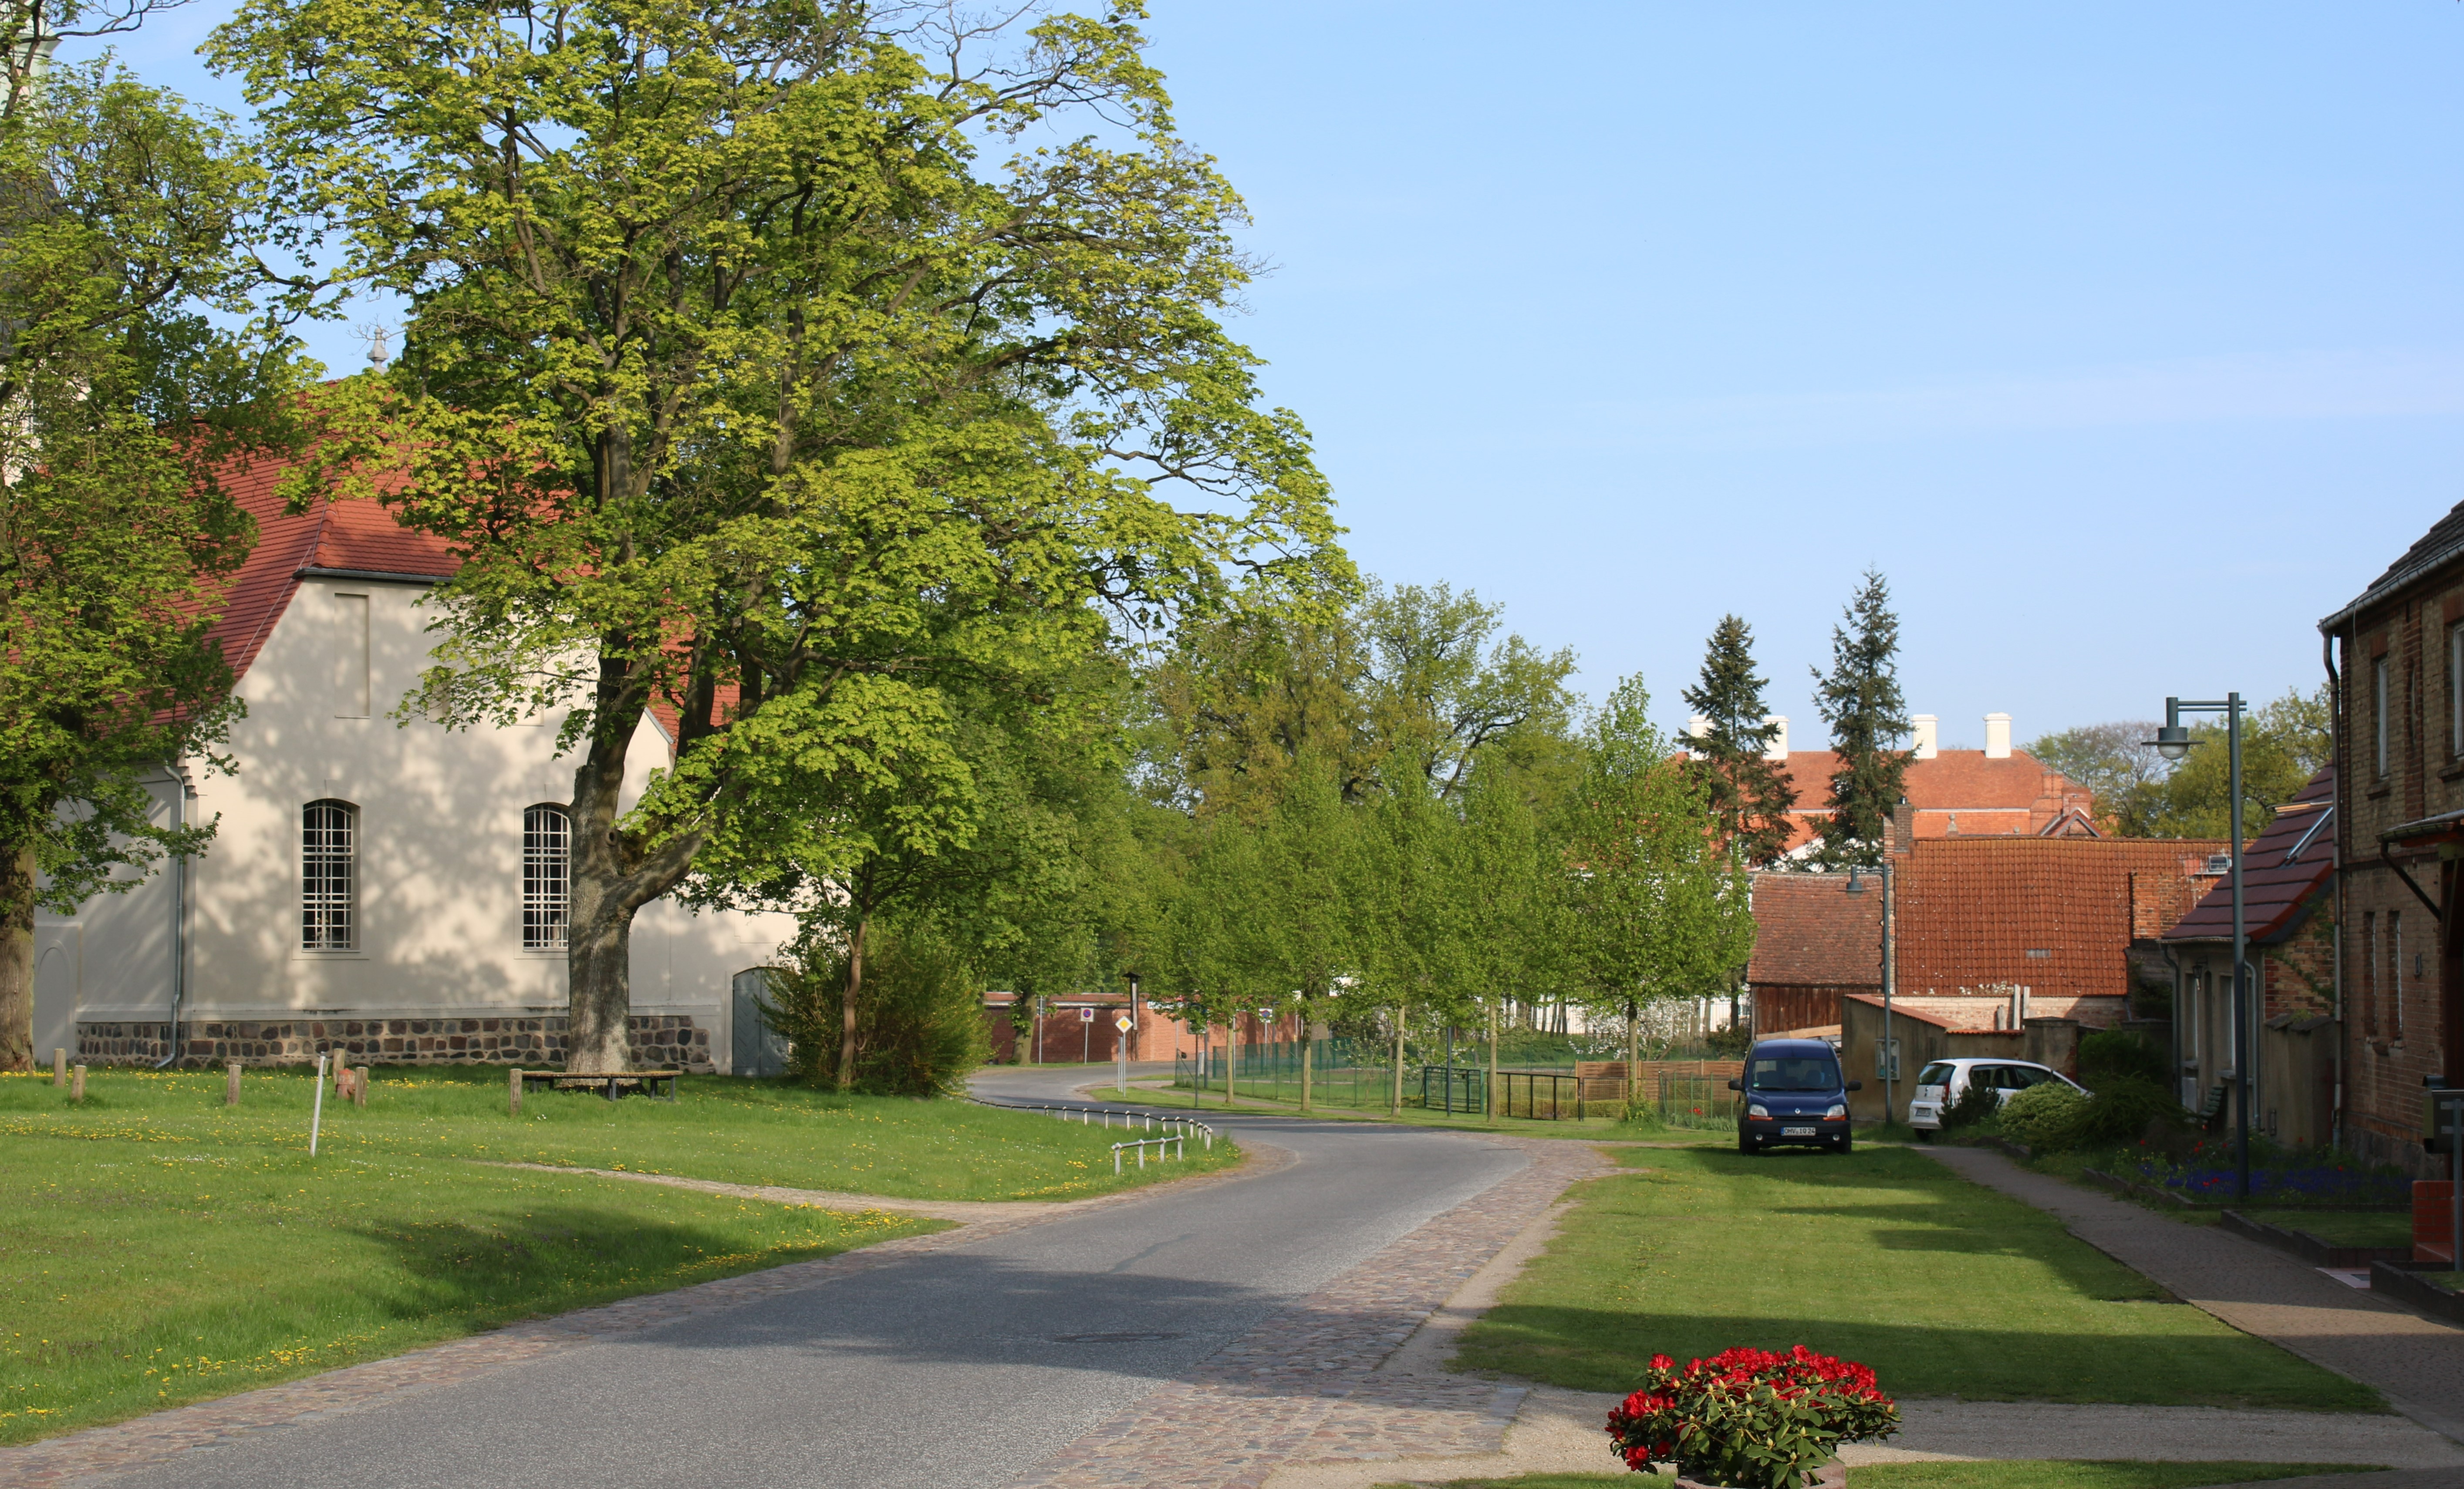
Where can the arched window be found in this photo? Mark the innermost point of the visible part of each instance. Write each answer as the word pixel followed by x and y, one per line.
pixel 547 876
pixel 329 881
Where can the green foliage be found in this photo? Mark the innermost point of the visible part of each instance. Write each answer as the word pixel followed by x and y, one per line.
pixel 1747 793
pixel 134 372
pixel 2110 1053
pixel 919 1022
pixel 2125 1109
pixel 2045 1116
pixel 1977 1104
pixel 1860 700
pixel 749 389
pixel 2140 794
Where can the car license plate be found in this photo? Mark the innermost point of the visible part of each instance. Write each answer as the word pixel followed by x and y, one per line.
pixel 1796 1131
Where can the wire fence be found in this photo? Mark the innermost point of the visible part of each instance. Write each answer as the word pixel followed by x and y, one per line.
pixel 1702 1102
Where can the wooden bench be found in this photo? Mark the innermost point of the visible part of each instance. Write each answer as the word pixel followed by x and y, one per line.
pixel 610 1081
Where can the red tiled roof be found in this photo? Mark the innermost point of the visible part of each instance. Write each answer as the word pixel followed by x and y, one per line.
pixel 1972 909
pixel 2278 889
pixel 1958 793
pixel 1809 930
pixel 359 534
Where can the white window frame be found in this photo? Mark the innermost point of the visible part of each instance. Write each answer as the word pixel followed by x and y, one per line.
pixel 547 876
pixel 329 876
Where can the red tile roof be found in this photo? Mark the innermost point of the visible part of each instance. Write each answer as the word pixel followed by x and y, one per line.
pixel 359 534
pixel 1991 797
pixel 2278 889
pixel 1809 930
pixel 1973 911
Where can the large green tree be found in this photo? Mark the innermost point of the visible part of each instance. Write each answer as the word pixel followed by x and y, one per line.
pixel 133 368
pixel 748 387
pixel 2140 794
pixel 1750 794
pixel 1860 698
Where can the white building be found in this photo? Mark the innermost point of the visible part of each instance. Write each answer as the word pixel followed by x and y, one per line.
pixel 395 891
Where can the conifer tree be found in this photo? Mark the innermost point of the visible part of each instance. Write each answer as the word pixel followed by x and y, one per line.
pixel 1860 701
pixel 1749 794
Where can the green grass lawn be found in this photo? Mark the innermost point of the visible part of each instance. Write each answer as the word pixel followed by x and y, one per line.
pixel 137 1274
pixel 2346 1229
pixel 739 1132
pixel 2027 1473
pixel 1944 1287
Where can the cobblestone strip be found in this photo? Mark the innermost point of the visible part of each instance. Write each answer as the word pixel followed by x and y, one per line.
pixel 101 1453
pixel 1303 1386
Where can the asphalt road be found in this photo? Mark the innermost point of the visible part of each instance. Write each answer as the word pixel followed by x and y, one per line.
pixel 949 1370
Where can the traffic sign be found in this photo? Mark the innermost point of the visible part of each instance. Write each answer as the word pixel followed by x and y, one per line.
pixel 1124 1024
pixel 1085 1016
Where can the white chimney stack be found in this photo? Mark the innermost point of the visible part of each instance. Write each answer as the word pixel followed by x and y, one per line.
pixel 1997 736
pixel 1698 727
pixel 1778 749
pixel 1927 731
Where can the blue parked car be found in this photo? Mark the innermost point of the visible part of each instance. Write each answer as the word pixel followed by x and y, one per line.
pixel 1792 1093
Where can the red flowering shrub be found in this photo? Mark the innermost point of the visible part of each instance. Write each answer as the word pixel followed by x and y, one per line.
pixel 1749 1417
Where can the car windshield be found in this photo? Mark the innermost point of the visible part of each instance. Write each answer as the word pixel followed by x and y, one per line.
pixel 1936 1074
pixel 1796 1073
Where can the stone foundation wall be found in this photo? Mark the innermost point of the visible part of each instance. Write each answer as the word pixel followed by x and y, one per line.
pixel 655 1039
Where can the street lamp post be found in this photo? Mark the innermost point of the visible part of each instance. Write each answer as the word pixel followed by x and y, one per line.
pixel 2173 742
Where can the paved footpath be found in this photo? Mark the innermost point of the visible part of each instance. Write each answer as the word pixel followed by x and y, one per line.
pixel 1195 1335
pixel 2418 1363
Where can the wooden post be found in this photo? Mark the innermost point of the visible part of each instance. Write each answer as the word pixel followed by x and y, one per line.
pixel 359 1086
pixel 231 1085
pixel 76 1083
pixel 60 1067
pixel 513 1091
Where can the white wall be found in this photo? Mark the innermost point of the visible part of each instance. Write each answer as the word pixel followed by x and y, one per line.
pixel 439 852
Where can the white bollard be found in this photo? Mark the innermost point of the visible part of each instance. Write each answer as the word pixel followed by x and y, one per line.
pixel 316 1114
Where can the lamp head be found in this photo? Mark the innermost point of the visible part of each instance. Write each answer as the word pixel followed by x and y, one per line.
pixel 2172 741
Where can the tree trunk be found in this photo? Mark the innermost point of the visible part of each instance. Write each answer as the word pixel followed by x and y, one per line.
pixel 1633 1057
pixel 1308 1047
pixel 1394 1103
pixel 1231 1055
pixel 17 960
pixel 846 1004
pixel 1491 1102
pixel 612 880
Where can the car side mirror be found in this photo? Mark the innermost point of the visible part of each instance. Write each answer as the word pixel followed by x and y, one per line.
pixel 1855 1085
pixel 1736 1085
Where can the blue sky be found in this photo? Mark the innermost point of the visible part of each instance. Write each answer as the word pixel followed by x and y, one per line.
pixel 2127 340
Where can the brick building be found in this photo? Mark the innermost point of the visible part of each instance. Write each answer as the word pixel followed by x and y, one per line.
pixel 2288 885
pixel 2396 660
pixel 1817 938
pixel 1995 791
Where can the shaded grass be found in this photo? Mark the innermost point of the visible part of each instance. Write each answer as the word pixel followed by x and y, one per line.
pixel 137 1274
pixel 2015 1474
pixel 737 1131
pixel 1944 1287
pixel 2350 1229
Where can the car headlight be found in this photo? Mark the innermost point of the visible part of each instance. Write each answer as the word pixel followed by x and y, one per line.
pixel 1756 1109
pixel 1838 1112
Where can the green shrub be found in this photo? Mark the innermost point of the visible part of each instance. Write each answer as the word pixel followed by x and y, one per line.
pixel 2045 1116
pixel 2125 1109
pixel 2118 1054
pixel 919 1016
pixel 1977 1104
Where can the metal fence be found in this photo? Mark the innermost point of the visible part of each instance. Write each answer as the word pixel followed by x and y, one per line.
pixel 1702 1102
pixel 1359 1074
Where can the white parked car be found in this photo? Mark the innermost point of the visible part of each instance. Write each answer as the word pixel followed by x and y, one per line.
pixel 1941 1083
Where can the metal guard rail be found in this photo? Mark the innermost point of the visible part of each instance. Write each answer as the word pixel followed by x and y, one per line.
pixel 1087 1114
pixel 1178 1142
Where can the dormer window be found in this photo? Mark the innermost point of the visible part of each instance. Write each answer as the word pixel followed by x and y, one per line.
pixel 329 883
pixel 547 877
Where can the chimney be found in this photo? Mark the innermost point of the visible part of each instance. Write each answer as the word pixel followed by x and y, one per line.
pixel 1778 749
pixel 1997 736
pixel 1927 731
pixel 1698 727
pixel 1900 833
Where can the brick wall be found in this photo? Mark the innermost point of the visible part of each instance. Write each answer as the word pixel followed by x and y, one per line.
pixel 654 1040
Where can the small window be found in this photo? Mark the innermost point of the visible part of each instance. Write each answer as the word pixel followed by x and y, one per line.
pixel 547 877
pixel 2455 690
pixel 2380 731
pixel 329 883
pixel 2395 974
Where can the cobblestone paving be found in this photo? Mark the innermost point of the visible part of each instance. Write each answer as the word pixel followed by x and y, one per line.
pixel 101 1453
pixel 1304 1387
